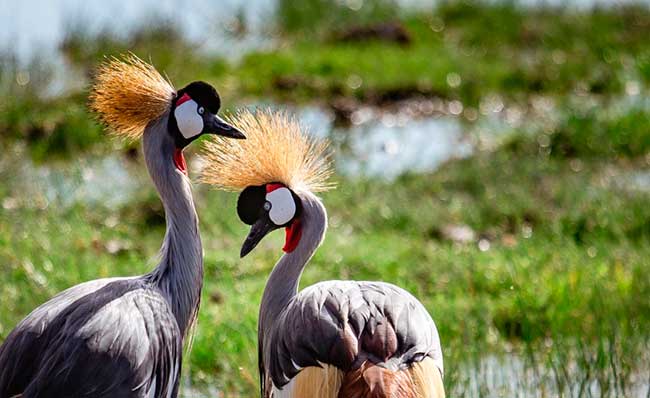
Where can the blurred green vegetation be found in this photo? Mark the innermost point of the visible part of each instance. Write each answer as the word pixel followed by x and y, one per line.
pixel 592 133
pixel 567 258
pixel 557 262
pixel 499 47
pixel 323 18
pixel 549 52
pixel 325 54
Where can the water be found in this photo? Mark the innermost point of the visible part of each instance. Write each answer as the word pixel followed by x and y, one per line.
pixel 35 27
pixel 517 375
pixel 386 149
pixel 387 145
pixel 109 181
pixel 379 143
pixel 384 146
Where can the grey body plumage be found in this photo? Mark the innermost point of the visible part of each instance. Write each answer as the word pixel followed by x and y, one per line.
pixel 118 337
pixel 330 322
pixel 340 323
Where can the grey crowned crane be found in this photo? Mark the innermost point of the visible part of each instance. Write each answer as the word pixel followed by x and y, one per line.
pixel 123 337
pixel 333 339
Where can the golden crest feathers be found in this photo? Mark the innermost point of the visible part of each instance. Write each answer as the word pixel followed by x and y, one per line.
pixel 128 93
pixel 276 149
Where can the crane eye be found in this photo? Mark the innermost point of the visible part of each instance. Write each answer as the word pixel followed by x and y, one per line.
pixel 267 206
pixel 201 110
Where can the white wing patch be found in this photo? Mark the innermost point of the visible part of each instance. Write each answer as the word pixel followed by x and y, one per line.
pixel 284 392
pixel 283 208
pixel 189 122
pixel 172 379
pixel 152 389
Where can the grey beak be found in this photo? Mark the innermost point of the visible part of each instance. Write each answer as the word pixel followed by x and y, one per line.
pixel 258 231
pixel 218 126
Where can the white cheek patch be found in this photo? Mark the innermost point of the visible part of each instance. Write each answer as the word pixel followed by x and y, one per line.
pixel 189 122
pixel 283 208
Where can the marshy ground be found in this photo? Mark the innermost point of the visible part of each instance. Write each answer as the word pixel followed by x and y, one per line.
pixel 493 159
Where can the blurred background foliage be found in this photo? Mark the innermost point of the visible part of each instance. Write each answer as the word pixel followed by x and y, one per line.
pixel 493 157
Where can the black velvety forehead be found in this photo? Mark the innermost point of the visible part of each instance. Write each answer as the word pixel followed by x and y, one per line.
pixel 204 94
pixel 250 203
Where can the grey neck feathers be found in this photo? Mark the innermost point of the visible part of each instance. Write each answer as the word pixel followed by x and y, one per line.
pixel 179 275
pixel 282 285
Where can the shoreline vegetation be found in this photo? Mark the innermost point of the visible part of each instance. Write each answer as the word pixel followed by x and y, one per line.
pixel 534 247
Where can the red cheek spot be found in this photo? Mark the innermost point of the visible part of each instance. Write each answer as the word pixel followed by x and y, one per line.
pixel 179 161
pixel 272 187
pixel 293 235
pixel 182 99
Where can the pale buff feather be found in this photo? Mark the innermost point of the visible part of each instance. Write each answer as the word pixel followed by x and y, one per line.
pixel 427 380
pixel 276 149
pixel 313 382
pixel 128 93
pixel 326 382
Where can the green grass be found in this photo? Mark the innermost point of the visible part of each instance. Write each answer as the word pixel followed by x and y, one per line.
pixel 592 132
pixel 546 51
pixel 320 18
pixel 595 136
pixel 158 41
pixel 564 278
pixel 562 244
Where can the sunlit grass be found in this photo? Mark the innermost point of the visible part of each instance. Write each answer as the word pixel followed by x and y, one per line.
pixel 555 270
pixel 563 259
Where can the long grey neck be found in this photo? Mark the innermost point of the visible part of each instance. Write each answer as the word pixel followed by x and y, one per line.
pixel 179 275
pixel 282 285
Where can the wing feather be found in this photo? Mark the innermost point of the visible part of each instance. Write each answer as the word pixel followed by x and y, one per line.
pixel 344 324
pixel 23 347
pixel 120 340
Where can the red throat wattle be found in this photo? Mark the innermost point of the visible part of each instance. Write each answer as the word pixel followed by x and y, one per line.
pixel 179 161
pixel 293 234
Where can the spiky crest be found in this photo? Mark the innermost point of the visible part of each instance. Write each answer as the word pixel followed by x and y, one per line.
pixel 276 149
pixel 128 93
